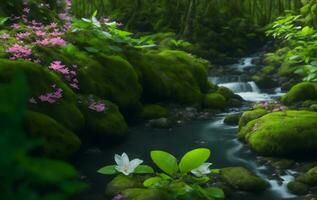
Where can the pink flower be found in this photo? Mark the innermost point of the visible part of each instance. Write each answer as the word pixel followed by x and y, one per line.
pixel 57 41
pixel 44 42
pixel 19 51
pixel 16 26
pixel 59 67
pixel 40 33
pixel 23 35
pixel 97 106
pixel 26 10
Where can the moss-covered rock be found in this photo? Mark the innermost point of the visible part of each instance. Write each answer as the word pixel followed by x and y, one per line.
pixel 108 77
pixel 242 179
pixel 289 133
pixel 103 125
pixel 59 142
pixel 301 92
pixel 170 76
pixel 309 178
pixel 145 194
pixel 121 183
pixel 232 119
pixel 214 101
pixel 298 187
pixel 40 81
pixel 251 115
pixel 154 112
pixel 226 92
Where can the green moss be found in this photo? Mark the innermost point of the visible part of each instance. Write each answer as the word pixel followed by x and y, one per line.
pixel 170 76
pixel 145 194
pixel 226 92
pixel 289 133
pixel 121 182
pixel 301 92
pixel 215 101
pixel 154 112
pixel 59 142
pixel 108 77
pixel 40 81
pixel 232 119
pixel 242 179
pixel 251 115
pixel 298 187
pixel 103 125
pixel 309 178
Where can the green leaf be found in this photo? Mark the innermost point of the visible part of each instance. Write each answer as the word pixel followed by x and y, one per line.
pixel 3 20
pixel 144 169
pixel 165 161
pixel 95 13
pixel 215 192
pixel 194 159
pixel 151 182
pixel 108 170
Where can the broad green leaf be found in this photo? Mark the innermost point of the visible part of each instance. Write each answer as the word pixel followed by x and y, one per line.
pixel 194 159
pixel 215 192
pixel 152 182
pixel 3 20
pixel 165 161
pixel 108 170
pixel 144 169
pixel 95 13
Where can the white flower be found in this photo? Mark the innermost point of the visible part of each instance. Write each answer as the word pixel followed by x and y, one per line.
pixel 202 170
pixel 124 165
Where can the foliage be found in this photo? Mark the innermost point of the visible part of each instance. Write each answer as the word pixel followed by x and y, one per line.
pixel 301 39
pixel 175 177
pixel 106 37
pixel 24 176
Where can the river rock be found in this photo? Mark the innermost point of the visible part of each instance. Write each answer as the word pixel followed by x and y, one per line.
pixel 214 101
pixel 287 133
pixel 298 188
pixel 301 92
pixel 121 182
pixel 153 112
pixel 242 179
pixel 160 123
pixel 232 119
pixel 251 115
pixel 145 194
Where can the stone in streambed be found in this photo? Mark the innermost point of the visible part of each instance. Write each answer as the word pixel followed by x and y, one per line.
pixel 309 178
pixel 251 115
pixel 153 112
pixel 214 101
pixel 232 119
pixel 145 194
pixel 298 187
pixel 242 179
pixel 121 182
pixel 301 92
pixel 162 123
pixel 288 133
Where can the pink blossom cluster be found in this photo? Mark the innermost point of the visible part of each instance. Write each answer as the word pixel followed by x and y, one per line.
pixel 271 106
pixel 18 51
pixel 118 197
pixel 51 97
pixel 4 36
pixel 65 15
pixel 69 74
pixel 97 106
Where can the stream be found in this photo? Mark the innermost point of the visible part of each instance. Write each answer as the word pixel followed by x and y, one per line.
pixel 212 133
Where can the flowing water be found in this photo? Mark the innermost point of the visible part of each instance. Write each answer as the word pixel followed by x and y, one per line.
pixel 213 134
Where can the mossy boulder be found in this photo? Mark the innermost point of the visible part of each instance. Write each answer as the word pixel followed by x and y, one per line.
pixel 121 183
pixel 154 112
pixel 103 125
pixel 251 115
pixel 59 142
pixel 214 101
pixel 40 81
pixel 289 133
pixel 226 92
pixel 170 76
pixel 232 119
pixel 242 179
pixel 301 92
pixel 309 178
pixel 298 188
pixel 145 194
pixel 108 77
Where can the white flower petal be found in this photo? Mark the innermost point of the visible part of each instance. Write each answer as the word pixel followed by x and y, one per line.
pixel 118 159
pixel 125 159
pixel 134 164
